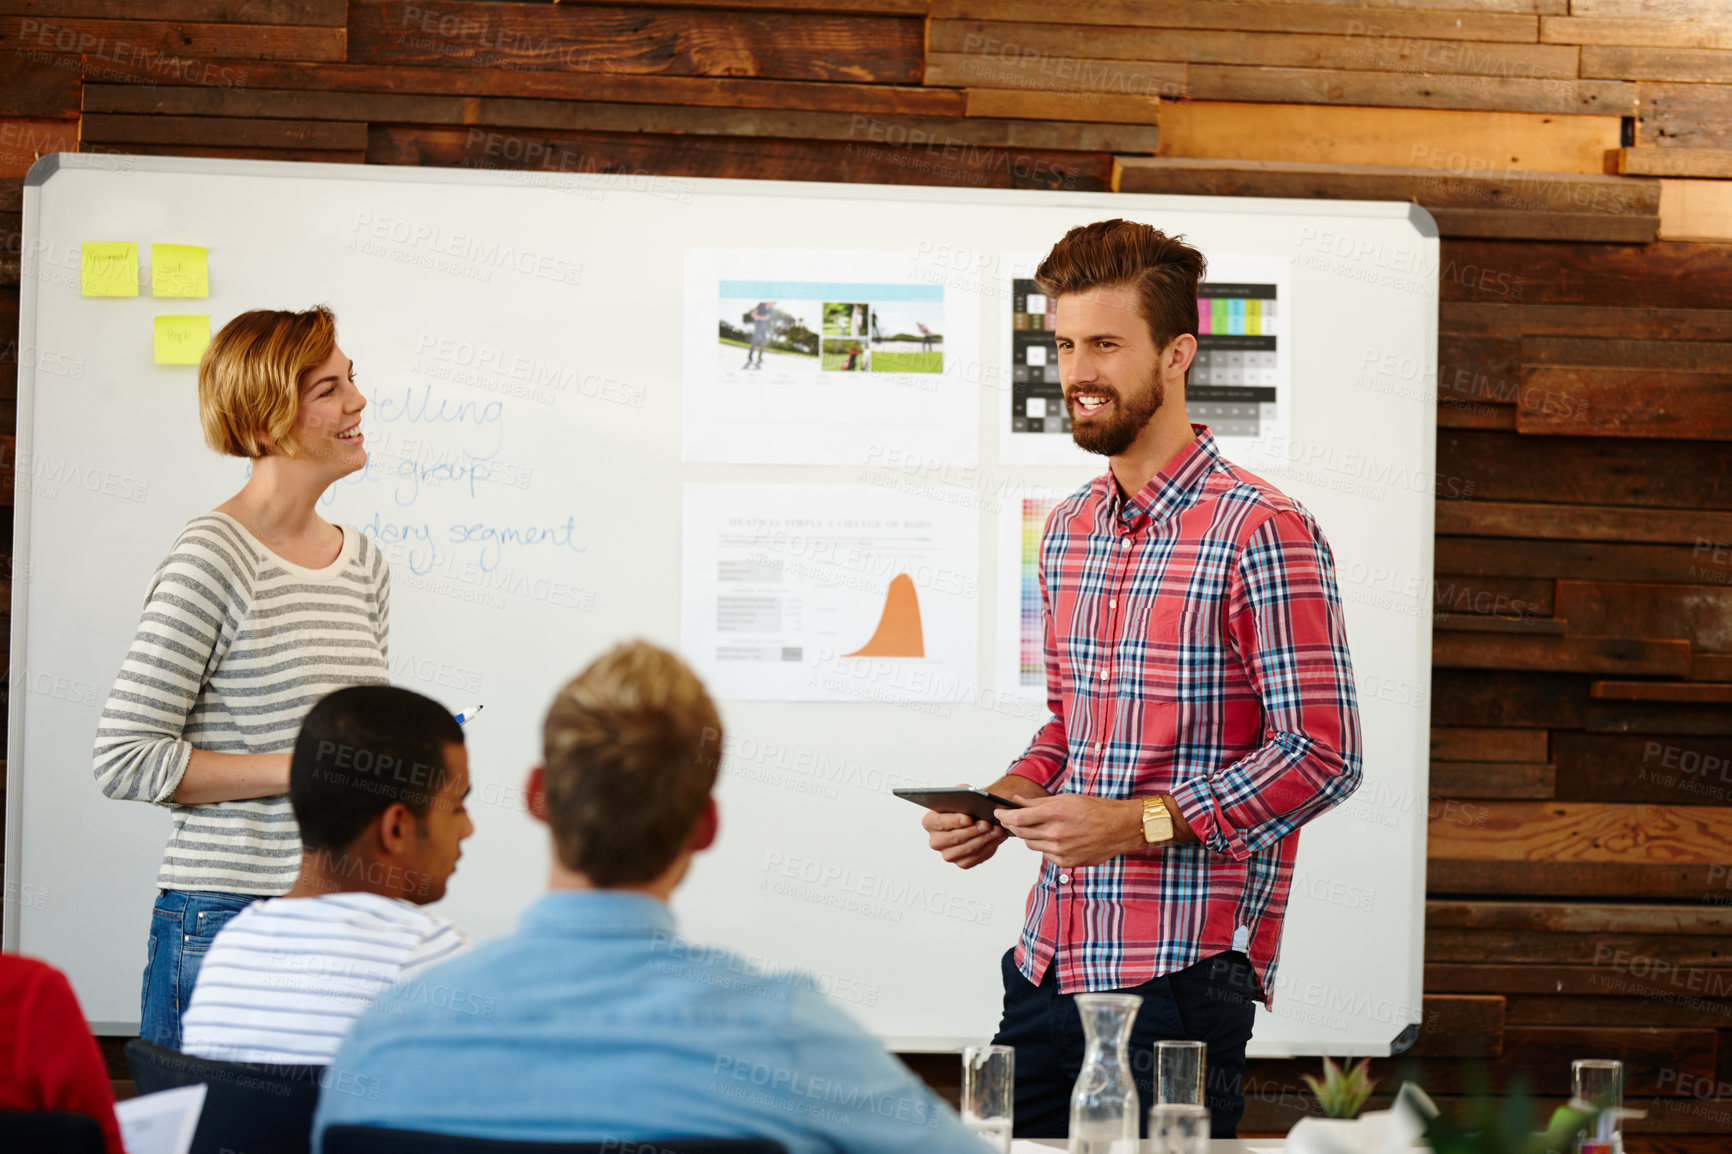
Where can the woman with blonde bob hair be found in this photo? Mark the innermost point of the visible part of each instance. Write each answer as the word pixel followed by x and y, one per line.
pixel 261 608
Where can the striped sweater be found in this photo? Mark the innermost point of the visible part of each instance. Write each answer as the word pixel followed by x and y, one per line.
pixel 235 646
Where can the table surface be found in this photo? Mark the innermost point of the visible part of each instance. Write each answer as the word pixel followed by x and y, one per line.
pixel 1216 1145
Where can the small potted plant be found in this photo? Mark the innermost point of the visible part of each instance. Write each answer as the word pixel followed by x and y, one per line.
pixel 1342 1094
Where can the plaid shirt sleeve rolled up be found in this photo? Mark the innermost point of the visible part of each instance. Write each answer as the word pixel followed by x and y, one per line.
pixel 1195 646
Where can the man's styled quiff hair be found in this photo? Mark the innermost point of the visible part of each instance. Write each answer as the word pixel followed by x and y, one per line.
pixel 1163 271
pixel 631 748
pixel 249 379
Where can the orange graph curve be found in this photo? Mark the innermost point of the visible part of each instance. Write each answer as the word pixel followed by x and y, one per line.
pixel 898 633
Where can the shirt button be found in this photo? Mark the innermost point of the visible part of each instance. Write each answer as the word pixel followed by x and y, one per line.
pixel 1097 747
pixel 1127 543
pixel 1113 604
pixel 1063 879
pixel 1103 675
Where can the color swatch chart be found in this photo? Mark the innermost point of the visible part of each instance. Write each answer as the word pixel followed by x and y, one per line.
pixel 1232 384
pixel 1031 666
pixel 1036 396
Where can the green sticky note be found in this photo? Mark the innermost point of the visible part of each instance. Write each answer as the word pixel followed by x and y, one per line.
pixel 178 270
pixel 108 268
pixel 181 340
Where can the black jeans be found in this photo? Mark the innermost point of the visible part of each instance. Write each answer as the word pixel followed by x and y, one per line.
pixel 1213 1002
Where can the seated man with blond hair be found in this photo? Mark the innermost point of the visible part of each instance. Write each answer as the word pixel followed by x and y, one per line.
pixel 594 1022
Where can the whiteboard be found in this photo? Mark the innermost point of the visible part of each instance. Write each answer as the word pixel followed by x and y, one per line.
pixel 534 320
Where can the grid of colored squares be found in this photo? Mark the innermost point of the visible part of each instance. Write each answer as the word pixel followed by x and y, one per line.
pixel 110 269
pixel 1031 663
pixel 1235 316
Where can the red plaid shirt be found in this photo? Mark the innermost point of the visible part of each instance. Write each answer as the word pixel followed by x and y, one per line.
pixel 1194 647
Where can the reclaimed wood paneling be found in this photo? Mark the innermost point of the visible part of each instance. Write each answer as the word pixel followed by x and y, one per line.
pixel 1662 691
pixel 1701 615
pixel 1649 33
pixel 1581 523
pixel 1464 650
pixel 1431 138
pixel 1045 72
pixel 1635 352
pixel 338 80
pixel 23 141
pixel 1587 833
pixel 1694 65
pixel 1606 196
pixel 1684 115
pixel 1363 52
pixel 1471 875
pixel 628 156
pixel 321 13
pixel 1456 593
pixel 1549 948
pixel 1564 97
pixel 1487 623
pixel 1258 15
pixel 1588 470
pixel 1625 402
pixel 39 84
pixel 1492 779
pixel 1591 560
pixel 1074 106
pixel 600 38
pixel 1696 210
pixel 129 39
pixel 1480 744
pixel 1664 275
pixel 216 132
pixel 1574 918
pixel 1518 320
pixel 1650 161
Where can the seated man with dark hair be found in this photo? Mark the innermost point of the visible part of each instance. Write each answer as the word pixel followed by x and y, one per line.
pixel 595 1022
pixel 377 783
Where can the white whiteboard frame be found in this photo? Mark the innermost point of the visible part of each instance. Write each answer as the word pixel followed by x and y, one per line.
pixel 1087 205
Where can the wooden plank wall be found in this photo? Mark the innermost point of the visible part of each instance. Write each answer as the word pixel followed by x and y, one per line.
pixel 1576 156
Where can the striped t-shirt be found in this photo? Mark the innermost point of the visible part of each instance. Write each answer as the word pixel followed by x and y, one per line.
pixel 235 646
pixel 285 978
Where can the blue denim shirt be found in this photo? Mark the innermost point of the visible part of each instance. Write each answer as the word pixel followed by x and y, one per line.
pixel 595 1022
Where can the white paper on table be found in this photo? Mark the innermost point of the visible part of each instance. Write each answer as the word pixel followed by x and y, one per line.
pixel 830 593
pixel 161 1123
pixel 848 377
pixel 1256 435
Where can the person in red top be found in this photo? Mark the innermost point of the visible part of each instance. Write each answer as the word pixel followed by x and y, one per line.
pixel 49 1063
pixel 1202 700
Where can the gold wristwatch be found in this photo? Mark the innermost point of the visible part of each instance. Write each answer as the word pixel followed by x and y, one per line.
pixel 1157 822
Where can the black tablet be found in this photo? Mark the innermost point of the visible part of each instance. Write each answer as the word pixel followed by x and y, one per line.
pixel 976 803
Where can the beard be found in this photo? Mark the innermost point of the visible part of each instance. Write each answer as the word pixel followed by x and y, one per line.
pixel 1110 436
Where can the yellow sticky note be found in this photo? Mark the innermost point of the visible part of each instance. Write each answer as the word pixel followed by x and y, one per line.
pixel 108 268
pixel 181 340
pixel 178 270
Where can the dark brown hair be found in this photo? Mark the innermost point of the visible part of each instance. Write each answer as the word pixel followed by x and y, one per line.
pixel 631 747
pixel 1161 270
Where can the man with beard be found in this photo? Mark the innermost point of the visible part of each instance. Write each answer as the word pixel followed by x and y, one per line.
pixel 1202 702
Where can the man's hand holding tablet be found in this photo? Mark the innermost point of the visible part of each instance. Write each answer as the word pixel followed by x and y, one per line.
pixel 966 841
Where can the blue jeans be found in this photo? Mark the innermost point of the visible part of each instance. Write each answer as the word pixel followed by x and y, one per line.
pixel 181 929
pixel 1214 1002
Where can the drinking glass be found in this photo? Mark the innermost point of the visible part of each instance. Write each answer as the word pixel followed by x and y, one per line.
pixel 1178 1128
pixel 989 1093
pixel 1599 1082
pixel 1179 1070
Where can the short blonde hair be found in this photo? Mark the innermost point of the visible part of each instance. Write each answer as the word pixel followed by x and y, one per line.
pixel 631 747
pixel 249 379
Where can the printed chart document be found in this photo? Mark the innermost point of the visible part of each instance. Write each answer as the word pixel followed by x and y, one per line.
pixel 826 358
pixel 1240 384
pixel 160 1123
pixel 1020 666
pixel 830 593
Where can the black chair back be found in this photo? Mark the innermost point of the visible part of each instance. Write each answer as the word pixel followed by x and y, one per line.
pixel 60 1133
pixel 252 1108
pixel 378 1140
